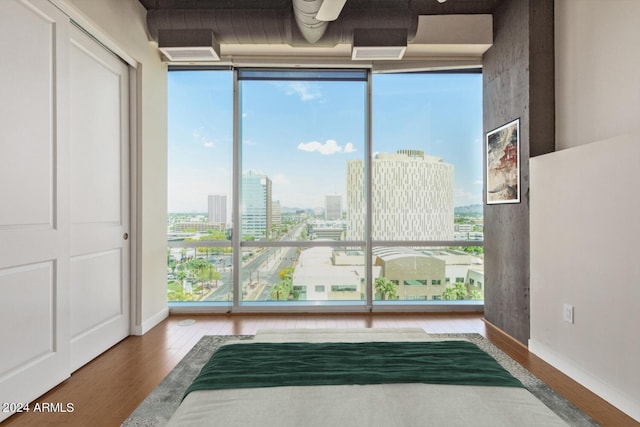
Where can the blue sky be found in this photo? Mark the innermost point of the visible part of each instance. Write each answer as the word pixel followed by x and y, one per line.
pixel 301 134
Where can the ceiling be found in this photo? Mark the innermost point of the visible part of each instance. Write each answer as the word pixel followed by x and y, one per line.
pixel 439 35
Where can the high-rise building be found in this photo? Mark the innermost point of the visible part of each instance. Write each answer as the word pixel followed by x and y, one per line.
pixel 217 208
pixel 255 209
pixel 276 213
pixel 412 197
pixel 332 207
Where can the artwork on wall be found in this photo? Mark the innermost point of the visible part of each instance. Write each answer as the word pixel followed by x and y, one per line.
pixel 503 164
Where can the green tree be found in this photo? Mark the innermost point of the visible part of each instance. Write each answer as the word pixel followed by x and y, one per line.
pixel 283 290
pixel 286 273
pixel 386 288
pixel 208 274
pixel 457 292
pixel 196 265
pixel 476 295
pixel 214 235
pixel 474 250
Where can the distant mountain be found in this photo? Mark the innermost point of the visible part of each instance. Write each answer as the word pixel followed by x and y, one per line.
pixel 289 210
pixel 468 210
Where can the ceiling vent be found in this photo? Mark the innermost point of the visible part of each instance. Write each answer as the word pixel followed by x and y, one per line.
pixel 379 44
pixel 188 45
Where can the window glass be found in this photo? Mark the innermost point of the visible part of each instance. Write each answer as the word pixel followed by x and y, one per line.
pixel 298 137
pixel 295 275
pixel 426 185
pixel 426 157
pixel 200 165
pixel 302 191
pixel 299 129
pixel 428 274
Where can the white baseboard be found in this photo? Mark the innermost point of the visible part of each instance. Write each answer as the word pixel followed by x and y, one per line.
pixel 149 323
pixel 630 405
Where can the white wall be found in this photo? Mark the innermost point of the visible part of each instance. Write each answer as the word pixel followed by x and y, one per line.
pixel 123 22
pixel 597 62
pixel 584 204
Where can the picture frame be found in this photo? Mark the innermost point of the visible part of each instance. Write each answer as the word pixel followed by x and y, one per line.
pixel 503 164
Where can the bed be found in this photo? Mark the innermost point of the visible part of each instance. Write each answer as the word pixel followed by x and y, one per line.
pixel 314 378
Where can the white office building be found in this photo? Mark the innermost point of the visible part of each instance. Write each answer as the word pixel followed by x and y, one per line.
pixel 412 197
pixel 217 211
pixel 332 207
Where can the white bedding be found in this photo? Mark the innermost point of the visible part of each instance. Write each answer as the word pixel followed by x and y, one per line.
pixel 356 405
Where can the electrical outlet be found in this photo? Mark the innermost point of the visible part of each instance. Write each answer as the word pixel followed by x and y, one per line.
pixel 568 313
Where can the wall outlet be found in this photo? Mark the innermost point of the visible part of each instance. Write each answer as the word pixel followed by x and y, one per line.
pixel 568 313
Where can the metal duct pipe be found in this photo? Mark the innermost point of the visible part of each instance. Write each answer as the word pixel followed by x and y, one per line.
pixel 305 12
pixel 277 26
pixel 230 26
pixel 341 30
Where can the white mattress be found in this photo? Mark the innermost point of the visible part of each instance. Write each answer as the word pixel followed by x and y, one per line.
pixel 356 405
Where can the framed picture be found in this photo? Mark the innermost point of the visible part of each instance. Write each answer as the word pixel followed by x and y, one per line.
pixel 503 164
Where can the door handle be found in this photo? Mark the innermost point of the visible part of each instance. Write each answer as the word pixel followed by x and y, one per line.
pixel 125 236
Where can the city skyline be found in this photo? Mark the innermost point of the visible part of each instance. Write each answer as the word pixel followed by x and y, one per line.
pixel 302 134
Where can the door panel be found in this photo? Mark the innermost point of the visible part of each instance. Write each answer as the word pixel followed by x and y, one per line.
pixel 34 217
pixel 35 283
pixel 106 301
pixel 26 180
pixel 99 199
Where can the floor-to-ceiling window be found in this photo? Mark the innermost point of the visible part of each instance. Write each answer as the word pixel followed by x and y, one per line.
pixel 426 189
pixel 297 187
pixel 298 131
pixel 200 185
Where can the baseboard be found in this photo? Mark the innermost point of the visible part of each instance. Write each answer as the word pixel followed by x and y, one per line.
pixel 149 323
pixel 621 400
pixel 493 328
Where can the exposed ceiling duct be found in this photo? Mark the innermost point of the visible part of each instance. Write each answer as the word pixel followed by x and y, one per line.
pixel 313 16
pixel 305 12
pixel 424 33
pixel 291 23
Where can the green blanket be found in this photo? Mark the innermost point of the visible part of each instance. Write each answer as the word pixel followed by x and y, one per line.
pixel 300 364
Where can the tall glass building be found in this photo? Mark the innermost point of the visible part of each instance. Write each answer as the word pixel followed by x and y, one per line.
pixel 256 205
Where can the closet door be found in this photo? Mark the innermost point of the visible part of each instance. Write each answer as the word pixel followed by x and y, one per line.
pixel 99 209
pixel 34 200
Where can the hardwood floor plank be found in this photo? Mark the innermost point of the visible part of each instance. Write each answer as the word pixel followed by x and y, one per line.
pixel 106 390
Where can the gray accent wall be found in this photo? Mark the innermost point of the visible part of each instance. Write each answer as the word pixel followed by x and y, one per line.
pixel 518 82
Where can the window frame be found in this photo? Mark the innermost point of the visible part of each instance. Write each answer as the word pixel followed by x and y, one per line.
pixel 237 244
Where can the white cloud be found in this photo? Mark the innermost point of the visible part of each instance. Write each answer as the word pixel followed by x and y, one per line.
pixel 202 139
pixel 306 91
pixel 349 148
pixel 329 147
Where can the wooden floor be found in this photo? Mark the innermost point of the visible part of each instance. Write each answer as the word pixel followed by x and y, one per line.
pixel 105 391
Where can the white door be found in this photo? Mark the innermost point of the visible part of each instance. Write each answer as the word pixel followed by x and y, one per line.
pixel 99 209
pixel 34 200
